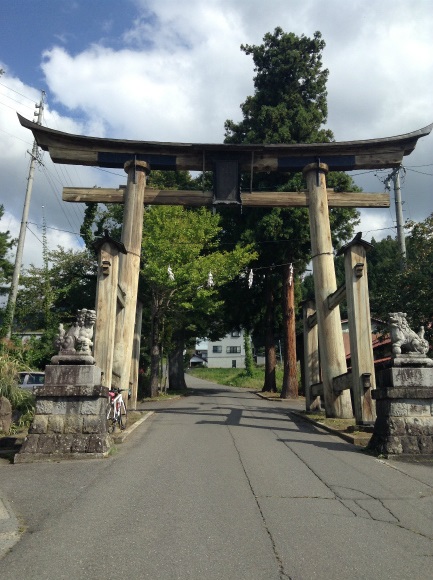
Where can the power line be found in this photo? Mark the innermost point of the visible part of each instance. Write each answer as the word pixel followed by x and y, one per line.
pixel 53 228
pixel 8 106
pixel 425 165
pixel 420 172
pixel 40 241
pixel 17 101
pixel 48 176
pixel 18 93
pixel 15 137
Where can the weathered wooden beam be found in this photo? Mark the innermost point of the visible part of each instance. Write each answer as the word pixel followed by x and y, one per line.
pixel 301 199
pixel 333 300
pixel 332 355
pixel 132 233
pixel 312 320
pixel 106 299
pixel 338 156
pixel 342 382
pixel 317 390
pixel 121 294
pixel 311 357
pixel 336 297
pixel 361 349
pixel 151 196
pixel 198 198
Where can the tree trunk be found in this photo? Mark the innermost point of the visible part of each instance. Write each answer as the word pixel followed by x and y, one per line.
pixel 176 373
pixel 290 377
pixel 270 355
pixel 154 356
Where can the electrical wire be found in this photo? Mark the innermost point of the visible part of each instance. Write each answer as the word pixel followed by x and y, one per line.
pixel 53 228
pixel 15 137
pixel 420 172
pixel 40 241
pixel 49 179
pixel 18 93
pixel 17 101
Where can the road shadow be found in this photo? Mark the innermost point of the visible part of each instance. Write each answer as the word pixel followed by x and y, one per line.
pixel 277 420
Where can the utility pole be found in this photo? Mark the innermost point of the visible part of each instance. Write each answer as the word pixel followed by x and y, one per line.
pixel 10 310
pixel 395 176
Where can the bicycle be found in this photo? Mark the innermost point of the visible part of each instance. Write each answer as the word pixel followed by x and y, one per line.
pixel 116 411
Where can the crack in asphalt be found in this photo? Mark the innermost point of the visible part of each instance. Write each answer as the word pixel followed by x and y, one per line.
pixel 282 572
pixel 397 523
pixel 337 497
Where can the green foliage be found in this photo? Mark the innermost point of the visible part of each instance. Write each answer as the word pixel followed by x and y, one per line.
pixel 22 400
pixel 236 377
pixel 52 294
pixel 187 241
pixel 6 267
pixel 172 180
pixel 407 289
pixel 289 104
pixel 86 231
pixel 72 285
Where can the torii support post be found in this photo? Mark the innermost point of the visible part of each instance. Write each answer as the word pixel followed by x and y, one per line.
pixel 133 377
pixel 361 349
pixel 106 305
pixel 132 231
pixel 106 299
pixel 311 357
pixel 332 357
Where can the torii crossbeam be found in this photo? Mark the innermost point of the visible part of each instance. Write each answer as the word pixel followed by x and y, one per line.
pixel 228 161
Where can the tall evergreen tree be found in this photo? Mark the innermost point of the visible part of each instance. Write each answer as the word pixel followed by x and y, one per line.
pixel 289 105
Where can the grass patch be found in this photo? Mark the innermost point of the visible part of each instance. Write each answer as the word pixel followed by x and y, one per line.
pixel 343 425
pixel 236 377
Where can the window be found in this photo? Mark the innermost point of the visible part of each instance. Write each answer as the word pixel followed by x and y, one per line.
pixel 217 348
pixel 233 350
pixel 236 334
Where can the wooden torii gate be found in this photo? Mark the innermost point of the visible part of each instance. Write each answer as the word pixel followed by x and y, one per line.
pixel 228 161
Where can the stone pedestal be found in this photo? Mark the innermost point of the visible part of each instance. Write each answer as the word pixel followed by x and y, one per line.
pixel 404 406
pixel 70 417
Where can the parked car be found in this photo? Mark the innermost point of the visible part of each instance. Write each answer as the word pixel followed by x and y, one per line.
pixel 29 380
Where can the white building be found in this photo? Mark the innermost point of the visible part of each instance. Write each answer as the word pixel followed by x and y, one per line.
pixel 228 352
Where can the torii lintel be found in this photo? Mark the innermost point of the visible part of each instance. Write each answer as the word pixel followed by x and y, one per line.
pixel 339 156
pixel 229 160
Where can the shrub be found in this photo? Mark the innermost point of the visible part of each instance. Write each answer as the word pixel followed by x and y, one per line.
pixel 22 401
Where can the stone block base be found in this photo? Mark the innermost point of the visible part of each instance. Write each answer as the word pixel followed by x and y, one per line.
pixel 49 447
pixel 404 424
pixel 70 418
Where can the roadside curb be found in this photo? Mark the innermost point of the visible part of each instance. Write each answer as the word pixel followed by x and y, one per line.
pixel 120 437
pixel 358 440
pixel 9 524
pixel 276 399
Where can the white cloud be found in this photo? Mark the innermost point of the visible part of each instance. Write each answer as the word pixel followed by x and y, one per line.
pixel 180 74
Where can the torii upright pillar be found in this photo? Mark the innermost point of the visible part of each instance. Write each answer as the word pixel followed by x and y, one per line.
pixel 331 345
pixel 132 231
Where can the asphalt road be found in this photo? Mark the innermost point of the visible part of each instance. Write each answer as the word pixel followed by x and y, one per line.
pixel 222 485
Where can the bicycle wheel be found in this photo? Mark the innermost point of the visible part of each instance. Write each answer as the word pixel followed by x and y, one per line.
pixel 110 419
pixel 122 417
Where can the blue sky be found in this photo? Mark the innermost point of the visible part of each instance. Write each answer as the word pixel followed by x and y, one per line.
pixel 166 70
pixel 31 27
